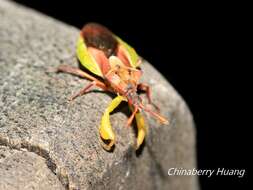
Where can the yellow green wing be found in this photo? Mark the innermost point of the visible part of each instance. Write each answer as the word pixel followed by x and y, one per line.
pixel 131 53
pixel 86 59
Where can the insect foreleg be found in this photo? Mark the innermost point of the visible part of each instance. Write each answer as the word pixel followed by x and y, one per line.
pixel 130 119
pixel 141 129
pixel 141 126
pixel 105 129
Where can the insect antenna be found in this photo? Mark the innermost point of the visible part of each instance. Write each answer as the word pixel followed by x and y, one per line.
pixel 160 118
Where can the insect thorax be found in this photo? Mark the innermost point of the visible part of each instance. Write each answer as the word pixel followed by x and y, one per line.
pixel 123 79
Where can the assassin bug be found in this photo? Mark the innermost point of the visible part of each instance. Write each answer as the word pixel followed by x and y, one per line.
pixel 117 64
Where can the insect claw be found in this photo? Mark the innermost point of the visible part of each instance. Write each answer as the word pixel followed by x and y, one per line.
pixel 107 146
pixel 70 99
pixel 51 70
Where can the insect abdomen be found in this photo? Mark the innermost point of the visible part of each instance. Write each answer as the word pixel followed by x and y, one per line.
pixel 100 37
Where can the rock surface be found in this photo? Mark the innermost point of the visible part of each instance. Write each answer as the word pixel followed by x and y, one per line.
pixel 48 143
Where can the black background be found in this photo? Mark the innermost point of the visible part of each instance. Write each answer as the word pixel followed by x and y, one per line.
pixel 201 50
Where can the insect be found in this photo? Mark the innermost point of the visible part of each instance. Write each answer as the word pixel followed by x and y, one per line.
pixel 116 65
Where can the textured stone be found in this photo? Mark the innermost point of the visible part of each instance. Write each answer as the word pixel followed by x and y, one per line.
pixel 20 169
pixel 47 142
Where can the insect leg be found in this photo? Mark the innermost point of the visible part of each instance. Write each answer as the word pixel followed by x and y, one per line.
pixel 130 119
pixel 146 89
pixel 80 73
pixel 141 129
pixel 83 90
pixel 105 130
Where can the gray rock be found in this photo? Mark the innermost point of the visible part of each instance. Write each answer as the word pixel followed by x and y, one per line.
pixel 20 169
pixel 49 143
